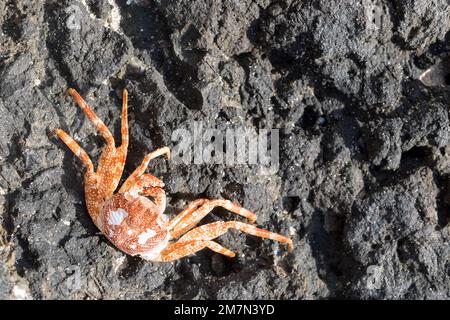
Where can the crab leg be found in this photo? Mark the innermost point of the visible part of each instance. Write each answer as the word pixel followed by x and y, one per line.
pixel 213 230
pixel 75 148
pixel 192 206
pixel 145 181
pixel 190 219
pixel 179 250
pixel 133 178
pixel 100 126
pixel 124 126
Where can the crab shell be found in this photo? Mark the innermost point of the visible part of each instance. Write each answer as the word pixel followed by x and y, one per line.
pixel 134 224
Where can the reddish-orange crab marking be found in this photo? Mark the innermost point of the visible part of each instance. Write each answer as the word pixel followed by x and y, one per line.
pixel 136 224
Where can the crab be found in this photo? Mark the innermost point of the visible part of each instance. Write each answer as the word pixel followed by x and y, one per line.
pixel 135 223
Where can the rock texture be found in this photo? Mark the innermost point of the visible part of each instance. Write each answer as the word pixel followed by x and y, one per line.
pixel 359 91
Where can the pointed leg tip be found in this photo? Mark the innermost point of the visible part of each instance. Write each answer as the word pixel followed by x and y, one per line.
pixel 69 91
pixel 52 133
pixel 73 93
pixel 251 216
pixel 290 247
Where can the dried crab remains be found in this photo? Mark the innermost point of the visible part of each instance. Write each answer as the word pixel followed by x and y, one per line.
pixel 134 223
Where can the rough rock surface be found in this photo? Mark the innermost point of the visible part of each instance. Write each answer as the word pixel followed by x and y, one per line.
pixel 363 180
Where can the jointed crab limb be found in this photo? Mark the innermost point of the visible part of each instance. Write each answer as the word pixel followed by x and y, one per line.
pixel 191 207
pixel 101 127
pixel 132 179
pixel 192 218
pixel 145 181
pixel 124 127
pixel 152 155
pixel 213 230
pixel 76 149
pixel 179 250
pixel 201 237
pixel 101 184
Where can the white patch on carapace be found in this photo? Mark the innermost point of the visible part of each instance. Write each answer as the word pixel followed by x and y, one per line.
pixel 129 232
pixel 133 192
pixel 143 237
pixel 116 217
pixel 155 252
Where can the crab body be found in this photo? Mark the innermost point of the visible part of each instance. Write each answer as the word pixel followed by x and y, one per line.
pixel 136 224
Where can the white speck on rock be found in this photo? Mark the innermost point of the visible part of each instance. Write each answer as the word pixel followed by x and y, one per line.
pixel 118 262
pixel 114 20
pixel 130 2
pixel 291 230
pixel 20 293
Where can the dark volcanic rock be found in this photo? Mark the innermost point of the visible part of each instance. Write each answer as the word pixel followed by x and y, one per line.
pixel 358 91
pixel 393 238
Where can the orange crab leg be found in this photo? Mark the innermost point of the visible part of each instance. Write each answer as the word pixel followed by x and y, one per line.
pixel 143 182
pixel 100 126
pixel 152 155
pixel 133 178
pixel 192 218
pixel 124 127
pixel 75 148
pixel 192 206
pixel 179 250
pixel 213 230
pixel 146 181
